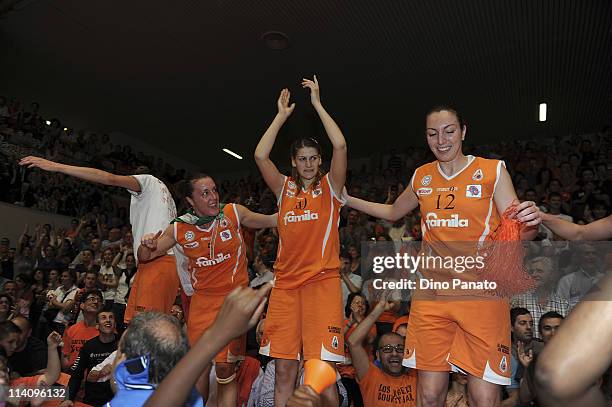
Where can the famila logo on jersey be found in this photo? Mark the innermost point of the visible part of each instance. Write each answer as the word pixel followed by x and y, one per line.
pixel 432 221
pixel 205 262
pixel 291 217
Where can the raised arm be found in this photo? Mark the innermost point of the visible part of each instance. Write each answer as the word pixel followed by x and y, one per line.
pixel 274 179
pixel 527 212
pixel 598 230
pixel 404 204
pixel 256 220
pixel 240 311
pixel 84 173
pixel 153 245
pixel 361 360
pixel 337 171
pixel 54 367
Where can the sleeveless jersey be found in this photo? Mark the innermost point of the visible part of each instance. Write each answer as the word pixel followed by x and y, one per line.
pixel 309 246
pixel 217 255
pixel 457 212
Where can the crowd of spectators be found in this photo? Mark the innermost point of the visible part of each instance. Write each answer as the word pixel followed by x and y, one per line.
pixel 75 281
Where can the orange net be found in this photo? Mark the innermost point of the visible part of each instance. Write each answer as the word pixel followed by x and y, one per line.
pixel 504 257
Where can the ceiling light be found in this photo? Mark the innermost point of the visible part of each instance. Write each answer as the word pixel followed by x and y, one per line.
pixel 542 112
pixel 48 122
pixel 65 128
pixel 230 152
pixel 275 40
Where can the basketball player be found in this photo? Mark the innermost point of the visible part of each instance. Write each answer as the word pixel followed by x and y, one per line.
pixel 598 230
pixel 152 207
pixel 461 198
pixel 209 236
pixel 305 311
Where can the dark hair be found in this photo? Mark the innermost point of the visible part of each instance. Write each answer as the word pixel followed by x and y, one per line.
pixel 448 108
pixel 25 277
pixel 71 273
pixel 345 255
pixel 549 314
pixel 3 295
pixel 387 334
pixel 349 301
pixel 517 312
pixel 305 142
pixel 96 292
pixel 7 328
pixel 158 335
pixel 184 188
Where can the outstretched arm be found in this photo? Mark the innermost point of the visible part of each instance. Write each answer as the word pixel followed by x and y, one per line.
pixel 256 220
pixel 337 170
pixel 598 230
pixel 240 311
pixel 572 362
pixel 153 245
pixel 526 212
pixel 84 173
pixel 360 358
pixel 274 179
pixel 404 204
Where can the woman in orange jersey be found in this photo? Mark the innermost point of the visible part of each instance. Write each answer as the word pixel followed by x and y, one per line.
pixel 304 317
pixel 209 236
pixel 461 199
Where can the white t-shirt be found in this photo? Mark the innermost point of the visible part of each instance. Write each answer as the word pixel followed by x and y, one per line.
pixel 152 209
pixel 64 296
pixel 122 289
pixel 109 293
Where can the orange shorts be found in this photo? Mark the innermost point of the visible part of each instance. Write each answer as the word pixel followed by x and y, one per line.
pixel 154 288
pixel 203 311
pixel 472 336
pixel 306 321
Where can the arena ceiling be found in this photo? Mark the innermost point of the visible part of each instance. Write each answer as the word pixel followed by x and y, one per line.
pixel 194 76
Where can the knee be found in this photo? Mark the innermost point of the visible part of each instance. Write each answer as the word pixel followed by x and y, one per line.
pixel 431 396
pixel 549 382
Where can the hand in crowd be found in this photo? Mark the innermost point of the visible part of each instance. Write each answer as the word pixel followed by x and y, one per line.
pixel 54 340
pixel 241 310
pixel 150 240
pixel 313 85
pixel 304 396
pixel 524 356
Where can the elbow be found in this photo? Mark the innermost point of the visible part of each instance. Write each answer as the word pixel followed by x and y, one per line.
pixel 340 147
pixel 259 156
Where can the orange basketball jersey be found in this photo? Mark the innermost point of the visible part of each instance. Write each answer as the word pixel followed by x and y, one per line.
pixel 217 255
pixel 309 246
pixel 460 207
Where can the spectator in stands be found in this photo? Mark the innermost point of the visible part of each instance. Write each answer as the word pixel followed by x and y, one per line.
pixel 177 312
pixel 391 384
pixel 351 282
pixel 9 337
pixel 124 279
pixel 548 325
pixel 93 352
pixel 107 277
pixel 30 356
pixel 60 302
pixel 523 350
pixel 10 288
pixel 575 285
pixel 240 311
pixel 114 239
pixel 543 298
pixel 6 307
pixel 353 233
pixel 79 333
pixel 85 261
pixel 50 375
pixel 263 273
pixel 6 259
pixel 90 283
pixel 23 294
